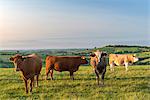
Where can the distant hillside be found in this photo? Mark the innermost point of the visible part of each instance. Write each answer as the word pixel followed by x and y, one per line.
pixel 127 46
pixel 143 52
pixel 121 49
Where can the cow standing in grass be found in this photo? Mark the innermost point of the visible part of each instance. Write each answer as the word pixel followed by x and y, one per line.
pixel 121 59
pixel 63 63
pixel 30 66
pixel 99 64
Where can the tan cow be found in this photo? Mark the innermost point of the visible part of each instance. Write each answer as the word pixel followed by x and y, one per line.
pixel 121 59
pixel 63 63
pixel 30 66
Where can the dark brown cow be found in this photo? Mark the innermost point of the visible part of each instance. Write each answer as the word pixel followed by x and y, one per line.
pixel 99 65
pixel 63 63
pixel 30 66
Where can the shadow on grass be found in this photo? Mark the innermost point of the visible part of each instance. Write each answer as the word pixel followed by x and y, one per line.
pixel 94 78
pixel 142 88
pixel 133 78
pixel 75 79
pixel 140 69
pixel 11 79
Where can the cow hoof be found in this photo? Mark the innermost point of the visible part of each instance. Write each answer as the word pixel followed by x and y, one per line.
pixel 52 78
pixel 72 79
pixel 46 78
pixel 26 92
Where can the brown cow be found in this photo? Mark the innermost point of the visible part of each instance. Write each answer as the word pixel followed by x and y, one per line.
pixel 30 66
pixel 63 63
pixel 99 65
pixel 121 59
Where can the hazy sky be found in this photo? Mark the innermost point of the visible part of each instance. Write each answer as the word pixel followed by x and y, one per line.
pixel 33 24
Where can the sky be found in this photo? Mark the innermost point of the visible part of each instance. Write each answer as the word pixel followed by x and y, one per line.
pixel 60 24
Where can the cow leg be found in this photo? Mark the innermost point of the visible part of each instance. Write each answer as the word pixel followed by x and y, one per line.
pixel 112 67
pixel 94 67
pixel 71 76
pixel 51 73
pixel 97 76
pixel 102 77
pixel 37 79
pixel 26 85
pixel 47 72
pixel 126 66
pixel 31 84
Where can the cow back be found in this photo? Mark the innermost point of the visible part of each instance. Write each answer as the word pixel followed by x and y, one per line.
pixel 63 63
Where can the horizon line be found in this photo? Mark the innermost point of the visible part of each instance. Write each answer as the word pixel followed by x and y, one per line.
pixel 71 47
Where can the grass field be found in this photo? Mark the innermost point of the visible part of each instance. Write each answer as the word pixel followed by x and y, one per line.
pixel 131 85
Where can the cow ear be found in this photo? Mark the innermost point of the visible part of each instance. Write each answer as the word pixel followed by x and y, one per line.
pixel 11 59
pixel 92 55
pixel 104 54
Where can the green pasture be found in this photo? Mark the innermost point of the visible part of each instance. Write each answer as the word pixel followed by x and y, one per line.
pixel 119 85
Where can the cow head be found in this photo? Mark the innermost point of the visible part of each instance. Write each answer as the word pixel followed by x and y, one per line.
pixel 135 59
pixel 98 56
pixel 17 60
pixel 102 56
pixel 83 60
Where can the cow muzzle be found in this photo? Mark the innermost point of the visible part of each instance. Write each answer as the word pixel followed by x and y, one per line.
pixel 136 59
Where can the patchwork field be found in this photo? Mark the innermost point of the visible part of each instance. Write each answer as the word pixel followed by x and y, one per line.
pixel 131 85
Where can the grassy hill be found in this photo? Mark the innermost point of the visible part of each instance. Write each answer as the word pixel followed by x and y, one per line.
pixel 142 52
pixel 131 85
pixel 122 49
